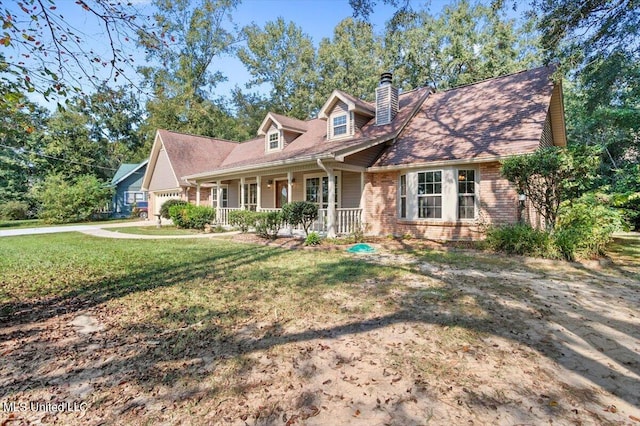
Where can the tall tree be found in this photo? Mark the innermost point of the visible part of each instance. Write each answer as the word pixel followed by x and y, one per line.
pixel 115 115
pixel 466 43
pixel 282 56
pixel 192 34
pixel 20 124
pixel 350 61
pixel 69 149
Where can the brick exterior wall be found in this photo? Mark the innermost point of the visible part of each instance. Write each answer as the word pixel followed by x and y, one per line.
pixel 498 204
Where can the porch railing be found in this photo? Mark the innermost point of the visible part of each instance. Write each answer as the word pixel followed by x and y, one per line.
pixel 347 220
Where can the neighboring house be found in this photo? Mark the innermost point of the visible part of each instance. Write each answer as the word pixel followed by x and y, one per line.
pixel 419 163
pixel 127 183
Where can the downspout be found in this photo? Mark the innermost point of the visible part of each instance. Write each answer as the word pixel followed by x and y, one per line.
pixel 331 207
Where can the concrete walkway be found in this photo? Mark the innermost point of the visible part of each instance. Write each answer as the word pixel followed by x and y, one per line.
pixel 102 230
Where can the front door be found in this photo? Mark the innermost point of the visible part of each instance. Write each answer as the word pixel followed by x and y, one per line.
pixel 281 193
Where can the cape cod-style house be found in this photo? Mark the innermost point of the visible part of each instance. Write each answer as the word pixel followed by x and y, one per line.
pixel 421 162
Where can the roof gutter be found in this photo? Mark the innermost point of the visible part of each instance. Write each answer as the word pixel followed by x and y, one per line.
pixel 271 164
pixel 424 164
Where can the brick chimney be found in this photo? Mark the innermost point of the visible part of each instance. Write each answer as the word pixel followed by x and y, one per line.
pixel 386 100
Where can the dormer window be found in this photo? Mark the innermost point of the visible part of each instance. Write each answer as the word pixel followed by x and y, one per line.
pixel 274 140
pixel 340 125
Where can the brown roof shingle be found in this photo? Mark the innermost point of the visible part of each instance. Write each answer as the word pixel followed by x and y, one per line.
pixel 497 117
pixel 314 141
pixel 190 154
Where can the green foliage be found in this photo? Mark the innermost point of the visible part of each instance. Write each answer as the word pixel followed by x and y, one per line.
pixel 14 210
pixel 62 200
pixel 551 175
pixel 282 55
pixel 585 226
pixel 164 209
pixel 194 34
pixel 268 224
pixel 520 239
pixel 243 219
pixel 313 239
pixel 350 61
pixel 189 216
pixel 300 213
pixel 465 43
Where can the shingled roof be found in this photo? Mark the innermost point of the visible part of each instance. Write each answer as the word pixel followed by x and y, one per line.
pixel 494 118
pixel 190 154
pixel 313 143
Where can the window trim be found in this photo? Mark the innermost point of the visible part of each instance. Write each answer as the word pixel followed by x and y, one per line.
pixel 449 195
pixel 344 115
pixel 247 194
pixel 475 194
pixel 402 196
pixel 268 140
pixel 428 195
pixel 214 190
pixel 337 175
pixel 135 200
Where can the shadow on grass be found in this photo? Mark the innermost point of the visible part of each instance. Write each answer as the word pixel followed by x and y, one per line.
pixel 210 340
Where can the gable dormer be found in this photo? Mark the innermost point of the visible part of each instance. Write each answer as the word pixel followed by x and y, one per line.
pixel 279 130
pixel 344 114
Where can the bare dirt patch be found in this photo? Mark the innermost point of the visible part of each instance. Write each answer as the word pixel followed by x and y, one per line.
pixel 455 337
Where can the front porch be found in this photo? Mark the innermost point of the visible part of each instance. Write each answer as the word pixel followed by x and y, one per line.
pixel 346 220
pixel 270 190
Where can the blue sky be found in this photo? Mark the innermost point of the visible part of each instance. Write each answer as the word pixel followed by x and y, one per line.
pixel 317 18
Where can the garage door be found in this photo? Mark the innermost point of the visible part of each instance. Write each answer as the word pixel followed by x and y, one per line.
pixel 160 198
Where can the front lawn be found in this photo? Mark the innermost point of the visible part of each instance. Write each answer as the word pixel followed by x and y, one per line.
pixel 153 230
pixel 208 331
pixel 38 223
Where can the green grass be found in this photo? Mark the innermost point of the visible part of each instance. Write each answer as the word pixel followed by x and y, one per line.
pixel 152 230
pixel 38 223
pixel 206 277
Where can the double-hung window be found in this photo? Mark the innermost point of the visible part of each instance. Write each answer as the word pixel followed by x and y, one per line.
pixel 466 194
pixel 340 125
pixel 430 195
pixel 403 196
pixel 251 196
pixel 134 197
pixel 223 201
pixel 274 140
pixel 317 191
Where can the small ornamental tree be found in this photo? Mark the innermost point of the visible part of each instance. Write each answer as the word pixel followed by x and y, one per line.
pixel 300 213
pixel 64 201
pixel 552 175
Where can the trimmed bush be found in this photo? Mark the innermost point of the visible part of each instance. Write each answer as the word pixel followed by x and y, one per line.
pixel 14 210
pixel 300 213
pixel 313 239
pixel 164 209
pixel 584 227
pixel 191 217
pixel 268 224
pixel 242 219
pixel 521 239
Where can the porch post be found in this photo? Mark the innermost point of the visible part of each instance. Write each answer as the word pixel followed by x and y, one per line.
pixel 331 207
pixel 197 194
pixel 362 197
pixel 242 193
pixel 259 193
pixel 289 186
pixel 218 203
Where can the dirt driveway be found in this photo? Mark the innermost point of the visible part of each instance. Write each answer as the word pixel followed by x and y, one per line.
pixel 478 339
